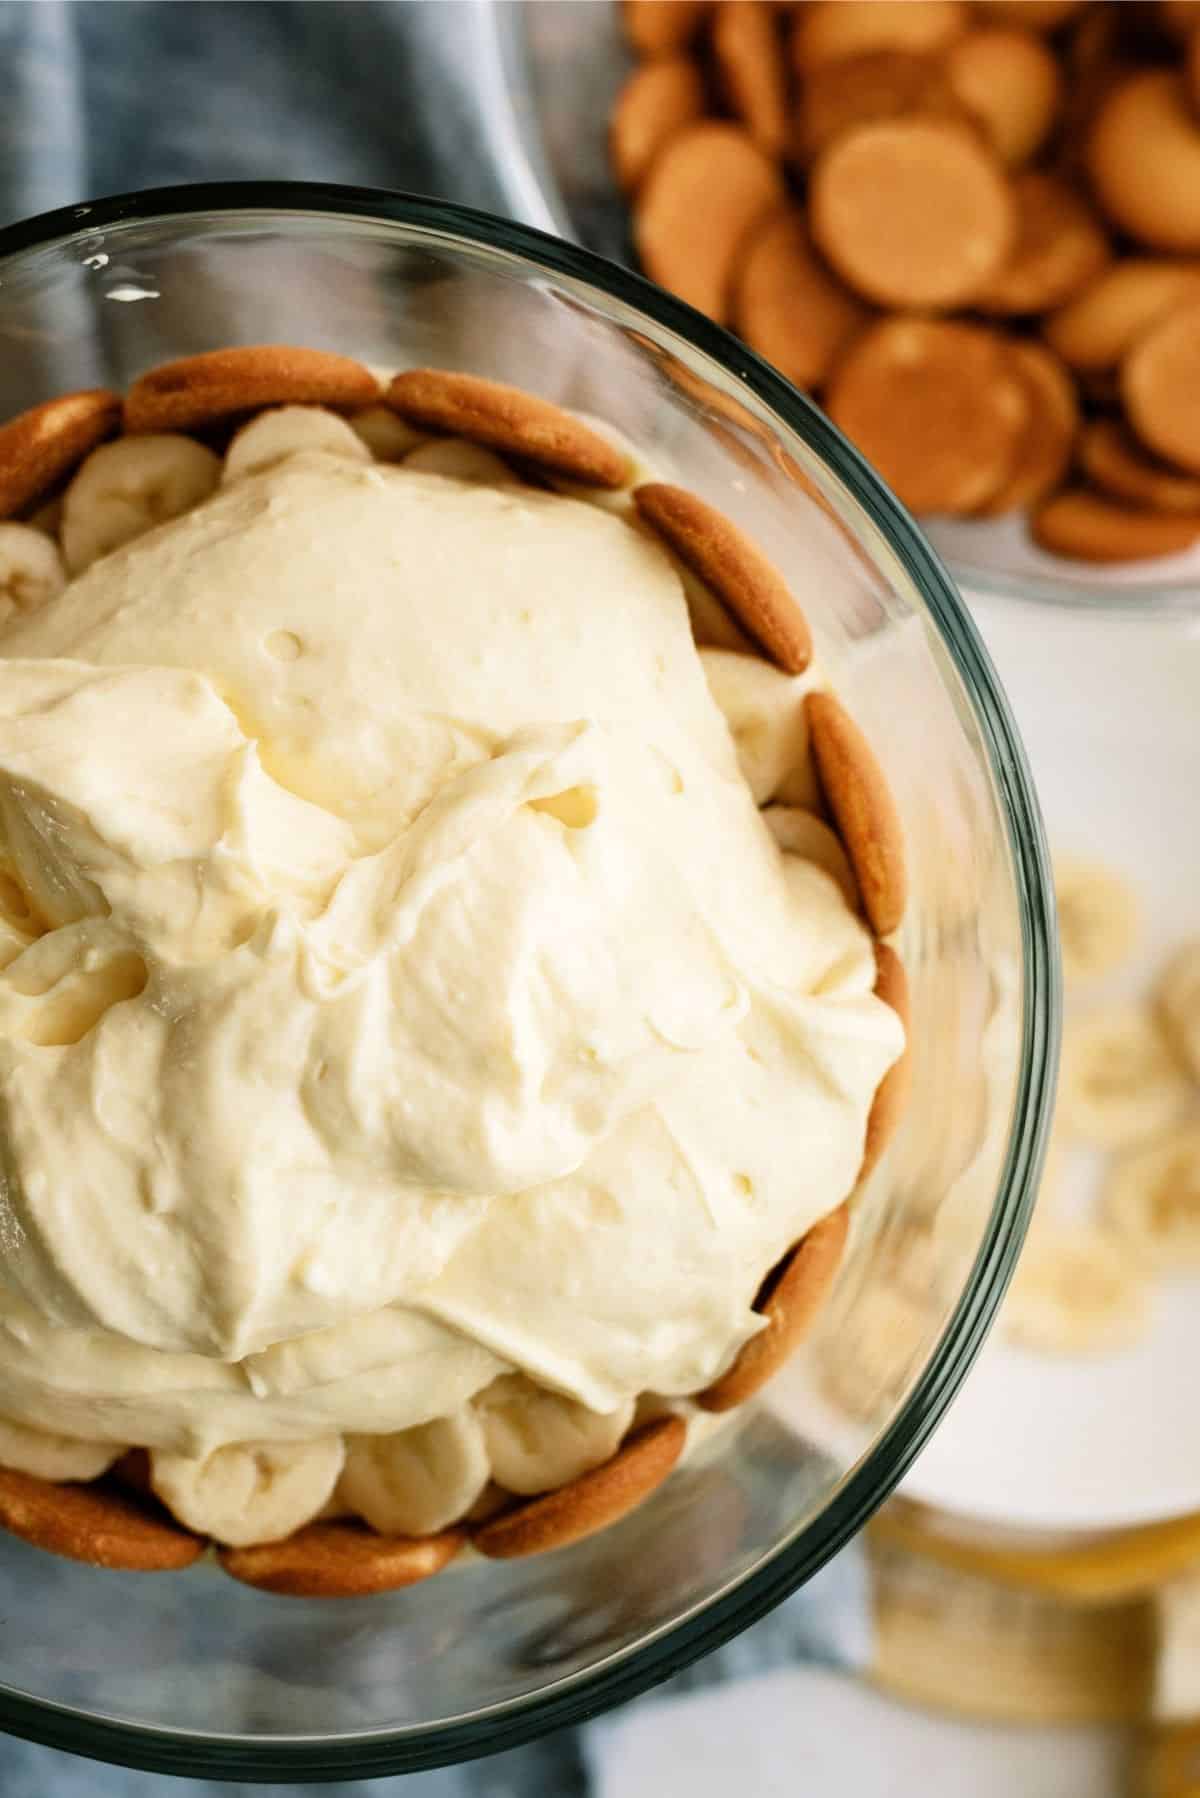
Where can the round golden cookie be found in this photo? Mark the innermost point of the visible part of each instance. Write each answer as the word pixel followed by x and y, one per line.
pixel 788 306
pixel 858 90
pixel 1009 81
pixel 938 407
pixel 509 420
pixel 790 1298
pixel 913 212
pixel 1113 459
pixel 1060 248
pixel 697 206
pixel 1179 18
pixel 713 547
pixel 1096 329
pixel 1033 15
pixel 891 1095
pixel 1044 449
pixel 654 105
pixel 1092 528
pixel 1160 385
pixel 202 390
pixel 828 30
pixel 1143 157
pixel 589 1503
pixel 1191 73
pixel 747 53
pixel 660 27
pixel 861 804
pixel 341 1560
pixel 95 1523
pixel 39 448
pixel 1094 64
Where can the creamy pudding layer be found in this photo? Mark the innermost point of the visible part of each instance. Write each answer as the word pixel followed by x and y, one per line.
pixel 402 989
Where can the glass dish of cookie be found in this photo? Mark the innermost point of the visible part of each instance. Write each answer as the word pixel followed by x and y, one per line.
pixel 968 230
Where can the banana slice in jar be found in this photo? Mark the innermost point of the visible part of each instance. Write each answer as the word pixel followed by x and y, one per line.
pixel 249 1492
pixel 459 460
pixel 1098 918
pixel 764 709
pixel 1074 1292
pixel 417 1481
pixel 50 1457
pixel 1120 1083
pixel 1151 1201
pixel 388 436
pixel 867 1363
pixel 804 834
pixel 273 436
pixel 538 1440
pixel 125 488
pixel 31 570
pixel 1178 996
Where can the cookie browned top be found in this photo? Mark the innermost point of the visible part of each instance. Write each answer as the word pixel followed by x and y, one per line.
pixel 592 1501
pixel 1091 528
pixel 713 547
pixel 509 420
pixel 341 1560
pixel 40 447
pixel 790 1299
pixel 199 390
pixel 860 799
pixel 95 1523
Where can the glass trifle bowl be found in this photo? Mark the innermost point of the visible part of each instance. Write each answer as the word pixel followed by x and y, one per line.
pixel 191 1672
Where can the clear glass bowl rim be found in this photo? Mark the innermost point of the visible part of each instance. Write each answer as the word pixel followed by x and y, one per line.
pixel 673 1647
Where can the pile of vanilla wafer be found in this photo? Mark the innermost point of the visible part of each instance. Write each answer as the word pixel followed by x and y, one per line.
pixel 970 227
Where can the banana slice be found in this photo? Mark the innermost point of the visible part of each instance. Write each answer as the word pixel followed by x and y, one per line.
pixel 31 570
pixel 1098 918
pixel 1120 1083
pixel 538 1440
pixel 713 624
pixel 1152 1201
pixel 804 834
pixel 126 487
pixel 764 710
pixel 388 436
pixel 459 460
pixel 869 1362
pixel 250 1492
pixel 49 1457
pixel 1074 1292
pixel 273 436
pixel 1179 1004
pixel 416 1482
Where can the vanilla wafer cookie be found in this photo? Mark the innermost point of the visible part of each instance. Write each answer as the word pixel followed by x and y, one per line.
pixel 863 809
pixel 95 1523
pixel 659 99
pixel 39 448
pixel 891 1096
pixel 592 1501
pixel 218 384
pixel 508 420
pixel 341 1560
pixel 714 548
pixel 790 1298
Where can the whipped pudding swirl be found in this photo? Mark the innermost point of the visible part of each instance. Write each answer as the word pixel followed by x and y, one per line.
pixel 414 1046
